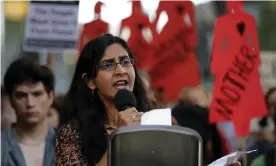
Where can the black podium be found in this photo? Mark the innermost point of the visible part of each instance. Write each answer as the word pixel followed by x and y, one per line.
pixel 155 146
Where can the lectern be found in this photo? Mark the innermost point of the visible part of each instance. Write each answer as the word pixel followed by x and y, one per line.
pixel 149 145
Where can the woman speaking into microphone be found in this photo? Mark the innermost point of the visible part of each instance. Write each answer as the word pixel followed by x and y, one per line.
pixel 105 66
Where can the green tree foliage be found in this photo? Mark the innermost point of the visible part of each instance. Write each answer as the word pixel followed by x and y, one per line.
pixel 267 26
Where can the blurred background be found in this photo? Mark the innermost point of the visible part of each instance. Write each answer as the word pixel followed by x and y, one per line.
pixel 13 27
pixel 13 14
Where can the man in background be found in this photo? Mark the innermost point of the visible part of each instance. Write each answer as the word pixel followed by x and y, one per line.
pixel 30 141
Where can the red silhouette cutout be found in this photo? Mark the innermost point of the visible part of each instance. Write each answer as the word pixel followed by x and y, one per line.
pixel 138 23
pixel 93 29
pixel 237 93
pixel 175 65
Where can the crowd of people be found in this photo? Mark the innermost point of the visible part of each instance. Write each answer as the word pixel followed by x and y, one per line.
pixel 40 127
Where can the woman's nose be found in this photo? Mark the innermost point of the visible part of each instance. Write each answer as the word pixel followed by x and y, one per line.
pixel 120 69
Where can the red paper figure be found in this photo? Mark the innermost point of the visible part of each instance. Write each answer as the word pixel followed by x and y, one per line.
pixel 137 31
pixel 237 93
pixel 175 65
pixel 93 29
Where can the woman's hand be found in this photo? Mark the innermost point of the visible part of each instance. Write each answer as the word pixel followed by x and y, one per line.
pixel 128 117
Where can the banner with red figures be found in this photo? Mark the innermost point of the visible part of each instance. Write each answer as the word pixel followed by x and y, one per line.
pixel 235 62
pixel 137 31
pixel 175 64
pixel 93 29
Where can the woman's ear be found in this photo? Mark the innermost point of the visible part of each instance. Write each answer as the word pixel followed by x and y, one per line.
pixel 89 82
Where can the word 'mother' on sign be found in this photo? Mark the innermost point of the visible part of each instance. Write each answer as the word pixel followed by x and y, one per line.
pixel 51 26
pixel 234 81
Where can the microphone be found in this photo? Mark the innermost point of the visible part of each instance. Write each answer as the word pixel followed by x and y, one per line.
pixel 124 99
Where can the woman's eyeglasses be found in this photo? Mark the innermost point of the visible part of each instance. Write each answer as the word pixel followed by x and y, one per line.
pixel 111 65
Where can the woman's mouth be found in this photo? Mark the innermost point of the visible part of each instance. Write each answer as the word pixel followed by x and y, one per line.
pixel 121 84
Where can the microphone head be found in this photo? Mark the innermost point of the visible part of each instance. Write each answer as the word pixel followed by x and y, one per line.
pixel 123 99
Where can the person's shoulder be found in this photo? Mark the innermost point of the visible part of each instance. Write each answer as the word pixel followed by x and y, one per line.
pixel 4 134
pixel 68 130
pixel 5 141
pixel 259 161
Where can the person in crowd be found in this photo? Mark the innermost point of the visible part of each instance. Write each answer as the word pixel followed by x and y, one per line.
pixel 7 113
pixel 195 95
pixel 55 111
pixel 159 94
pixel 267 123
pixel 149 89
pixel 105 66
pixel 196 117
pixel 146 82
pixel 216 144
pixel 268 158
pixel 30 141
pixel 265 139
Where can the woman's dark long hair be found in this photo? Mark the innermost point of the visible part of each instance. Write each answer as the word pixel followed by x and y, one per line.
pixel 86 108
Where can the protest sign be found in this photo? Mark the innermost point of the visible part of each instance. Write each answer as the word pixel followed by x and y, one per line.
pixel 235 63
pixel 51 26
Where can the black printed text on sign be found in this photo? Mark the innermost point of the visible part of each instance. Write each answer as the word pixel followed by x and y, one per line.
pixel 51 26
